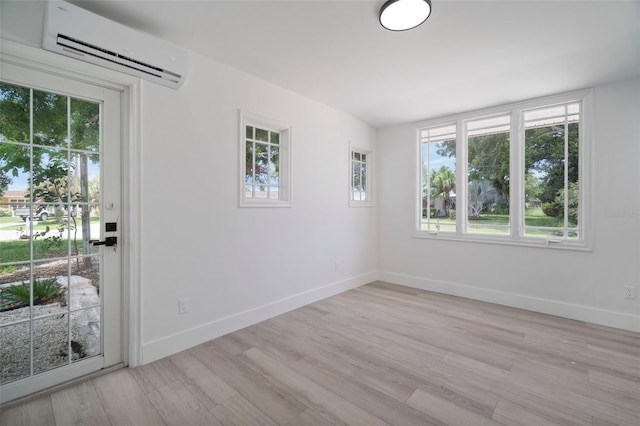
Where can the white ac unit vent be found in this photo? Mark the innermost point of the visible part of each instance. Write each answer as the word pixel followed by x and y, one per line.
pixel 75 32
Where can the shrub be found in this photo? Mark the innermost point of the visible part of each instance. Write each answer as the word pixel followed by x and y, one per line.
pixel 43 291
pixel 452 214
pixel 432 212
pixel 5 213
pixel 501 208
pixel 550 209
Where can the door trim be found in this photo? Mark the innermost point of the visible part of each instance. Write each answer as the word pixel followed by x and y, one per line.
pixel 131 88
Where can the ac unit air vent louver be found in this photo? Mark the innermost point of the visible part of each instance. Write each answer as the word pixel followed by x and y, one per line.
pixel 75 32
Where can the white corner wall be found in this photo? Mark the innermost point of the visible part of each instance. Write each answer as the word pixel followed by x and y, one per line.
pixel 586 286
pixel 238 266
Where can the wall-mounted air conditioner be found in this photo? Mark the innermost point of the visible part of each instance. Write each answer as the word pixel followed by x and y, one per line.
pixel 75 32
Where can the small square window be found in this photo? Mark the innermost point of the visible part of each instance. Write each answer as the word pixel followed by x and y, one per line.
pixel 264 162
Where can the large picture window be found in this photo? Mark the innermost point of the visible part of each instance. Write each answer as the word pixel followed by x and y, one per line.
pixel 520 176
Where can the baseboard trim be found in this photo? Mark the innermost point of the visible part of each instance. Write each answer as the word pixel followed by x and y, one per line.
pixel 177 342
pixel 566 310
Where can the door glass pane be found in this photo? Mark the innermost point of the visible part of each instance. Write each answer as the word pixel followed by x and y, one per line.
pixel 85 125
pixel 85 333
pixel 50 119
pixel 15 363
pixel 16 102
pixel 50 343
pixel 50 301
pixel 84 282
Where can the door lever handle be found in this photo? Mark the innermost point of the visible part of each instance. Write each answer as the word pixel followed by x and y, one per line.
pixel 109 242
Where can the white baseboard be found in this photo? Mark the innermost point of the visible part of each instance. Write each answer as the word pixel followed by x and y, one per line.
pixel 174 343
pixel 562 309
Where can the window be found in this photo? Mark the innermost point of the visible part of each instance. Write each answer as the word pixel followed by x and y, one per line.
pixel 438 174
pixel 265 162
pixel 361 176
pixel 552 171
pixel 521 175
pixel 487 147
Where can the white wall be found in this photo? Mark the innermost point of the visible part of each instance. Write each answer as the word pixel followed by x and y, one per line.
pixel 231 262
pixel 584 286
pixel 236 266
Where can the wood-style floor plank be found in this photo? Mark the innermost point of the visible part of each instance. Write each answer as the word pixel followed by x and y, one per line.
pixel 352 389
pixel 124 400
pixel 79 405
pixel 210 389
pixel 512 414
pixel 35 413
pixel 445 410
pixel 271 399
pixel 310 418
pixel 237 411
pixel 178 406
pixel 155 375
pixel 322 400
pixel 378 354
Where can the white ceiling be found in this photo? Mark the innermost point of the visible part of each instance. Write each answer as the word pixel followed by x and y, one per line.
pixel 468 55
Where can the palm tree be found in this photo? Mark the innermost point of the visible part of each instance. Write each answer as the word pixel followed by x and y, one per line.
pixel 442 182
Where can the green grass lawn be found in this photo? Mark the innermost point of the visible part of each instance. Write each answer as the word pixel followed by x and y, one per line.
pixel 533 217
pixel 41 226
pixel 9 219
pixel 19 251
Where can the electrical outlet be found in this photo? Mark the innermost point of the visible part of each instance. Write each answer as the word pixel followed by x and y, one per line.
pixel 183 306
pixel 629 292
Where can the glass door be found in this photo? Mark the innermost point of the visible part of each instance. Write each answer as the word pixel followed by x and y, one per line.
pixel 60 285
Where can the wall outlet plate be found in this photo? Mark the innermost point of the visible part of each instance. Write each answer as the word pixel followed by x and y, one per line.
pixel 629 292
pixel 183 306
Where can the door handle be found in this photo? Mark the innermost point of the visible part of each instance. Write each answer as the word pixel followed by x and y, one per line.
pixel 109 242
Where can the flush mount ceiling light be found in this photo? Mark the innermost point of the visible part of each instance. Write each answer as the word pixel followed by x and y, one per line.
pixel 400 15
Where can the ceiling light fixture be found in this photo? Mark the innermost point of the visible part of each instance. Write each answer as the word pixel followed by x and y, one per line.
pixel 401 15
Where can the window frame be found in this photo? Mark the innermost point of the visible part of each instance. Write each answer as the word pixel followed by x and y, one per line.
pixel 516 234
pixel 284 173
pixel 370 178
pixel 430 170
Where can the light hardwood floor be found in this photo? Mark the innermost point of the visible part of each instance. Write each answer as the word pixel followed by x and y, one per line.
pixel 380 354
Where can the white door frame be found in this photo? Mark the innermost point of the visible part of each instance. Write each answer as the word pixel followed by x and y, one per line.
pixel 41 60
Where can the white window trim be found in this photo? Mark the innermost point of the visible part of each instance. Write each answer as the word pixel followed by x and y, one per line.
pixel 371 174
pixel 284 189
pixel 516 236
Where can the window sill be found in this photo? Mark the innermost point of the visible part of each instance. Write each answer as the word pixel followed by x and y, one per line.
pixel 553 244
pixel 361 204
pixel 264 203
